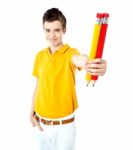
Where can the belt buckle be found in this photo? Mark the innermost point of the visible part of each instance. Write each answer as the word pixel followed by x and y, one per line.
pixel 50 122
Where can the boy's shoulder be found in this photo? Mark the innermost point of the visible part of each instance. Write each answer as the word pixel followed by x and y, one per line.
pixel 42 51
pixel 73 49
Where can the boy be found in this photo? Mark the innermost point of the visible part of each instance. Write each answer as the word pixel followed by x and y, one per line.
pixel 54 100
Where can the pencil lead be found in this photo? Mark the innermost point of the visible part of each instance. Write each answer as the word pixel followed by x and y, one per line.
pixel 87 83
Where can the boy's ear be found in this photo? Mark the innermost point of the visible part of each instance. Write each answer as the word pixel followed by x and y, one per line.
pixel 64 30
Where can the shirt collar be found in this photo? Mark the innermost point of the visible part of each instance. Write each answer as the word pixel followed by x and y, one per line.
pixel 61 50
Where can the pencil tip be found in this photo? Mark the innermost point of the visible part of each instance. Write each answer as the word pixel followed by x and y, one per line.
pixel 93 82
pixel 87 83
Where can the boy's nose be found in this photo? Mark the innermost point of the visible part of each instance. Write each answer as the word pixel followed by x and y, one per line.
pixel 52 35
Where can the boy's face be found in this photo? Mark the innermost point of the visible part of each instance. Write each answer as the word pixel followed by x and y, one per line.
pixel 54 32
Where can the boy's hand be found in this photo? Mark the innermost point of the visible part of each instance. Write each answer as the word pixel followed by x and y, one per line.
pixel 96 67
pixel 35 122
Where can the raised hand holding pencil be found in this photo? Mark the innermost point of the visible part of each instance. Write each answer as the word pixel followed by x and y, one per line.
pixel 95 40
pixel 101 42
pixel 99 45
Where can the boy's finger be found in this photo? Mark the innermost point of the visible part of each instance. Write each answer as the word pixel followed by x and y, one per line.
pixel 97 60
pixel 38 125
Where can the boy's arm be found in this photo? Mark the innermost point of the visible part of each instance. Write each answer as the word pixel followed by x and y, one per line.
pixel 33 99
pixel 80 60
pixel 94 67
pixel 32 114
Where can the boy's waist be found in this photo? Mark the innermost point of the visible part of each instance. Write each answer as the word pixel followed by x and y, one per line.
pixel 48 121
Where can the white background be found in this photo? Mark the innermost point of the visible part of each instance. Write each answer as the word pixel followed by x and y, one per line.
pixel 104 119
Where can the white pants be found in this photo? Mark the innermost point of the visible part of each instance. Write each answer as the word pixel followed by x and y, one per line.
pixel 57 137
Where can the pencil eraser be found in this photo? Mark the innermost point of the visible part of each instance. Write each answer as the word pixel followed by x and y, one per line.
pixel 105 15
pixel 99 15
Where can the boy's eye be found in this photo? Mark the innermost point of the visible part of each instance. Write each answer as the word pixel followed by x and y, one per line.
pixel 47 30
pixel 57 30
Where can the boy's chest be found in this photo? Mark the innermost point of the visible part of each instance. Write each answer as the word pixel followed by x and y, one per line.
pixel 53 65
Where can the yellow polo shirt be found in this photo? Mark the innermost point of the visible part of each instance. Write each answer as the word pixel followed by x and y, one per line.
pixel 55 96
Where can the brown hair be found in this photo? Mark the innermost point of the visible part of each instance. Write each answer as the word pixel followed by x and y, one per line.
pixel 54 14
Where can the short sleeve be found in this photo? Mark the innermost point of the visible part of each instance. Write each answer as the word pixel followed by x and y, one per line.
pixel 74 52
pixel 35 71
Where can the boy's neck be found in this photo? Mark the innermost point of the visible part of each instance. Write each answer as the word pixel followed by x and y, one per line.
pixel 55 48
